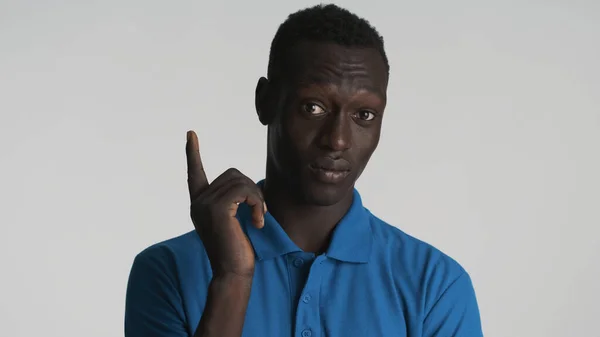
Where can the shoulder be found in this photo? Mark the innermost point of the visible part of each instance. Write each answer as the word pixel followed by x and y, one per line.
pixel 410 248
pixel 177 258
pixel 163 277
pixel 185 246
pixel 425 267
pixel 438 287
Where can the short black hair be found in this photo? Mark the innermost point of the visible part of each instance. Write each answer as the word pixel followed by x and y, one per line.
pixel 323 23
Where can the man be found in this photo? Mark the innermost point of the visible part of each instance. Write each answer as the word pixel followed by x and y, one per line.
pixel 316 262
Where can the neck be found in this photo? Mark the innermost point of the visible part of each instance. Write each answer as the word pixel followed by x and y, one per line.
pixel 308 226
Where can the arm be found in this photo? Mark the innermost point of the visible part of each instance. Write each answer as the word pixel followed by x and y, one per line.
pixel 213 211
pixel 226 306
pixel 455 313
pixel 154 307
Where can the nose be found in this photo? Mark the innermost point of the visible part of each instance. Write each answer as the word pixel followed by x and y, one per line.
pixel 337 133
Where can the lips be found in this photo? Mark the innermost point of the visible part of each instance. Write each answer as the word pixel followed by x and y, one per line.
pixel 330 171
pixel 329 164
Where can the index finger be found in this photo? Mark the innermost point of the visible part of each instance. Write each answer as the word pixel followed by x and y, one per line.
pixel 197 181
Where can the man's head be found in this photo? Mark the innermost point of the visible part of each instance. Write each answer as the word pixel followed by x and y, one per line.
pixel 323 102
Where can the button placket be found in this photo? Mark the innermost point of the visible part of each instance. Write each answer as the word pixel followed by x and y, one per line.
pixel 308 319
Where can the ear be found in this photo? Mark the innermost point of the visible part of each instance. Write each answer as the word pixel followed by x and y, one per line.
pixel 263 101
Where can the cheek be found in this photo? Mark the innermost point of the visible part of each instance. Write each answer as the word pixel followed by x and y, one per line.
pixel 368 136
pixel 301 133
pixel 366 143
pixel 286 144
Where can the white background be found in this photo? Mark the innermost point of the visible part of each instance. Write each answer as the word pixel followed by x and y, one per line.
pixel 490 149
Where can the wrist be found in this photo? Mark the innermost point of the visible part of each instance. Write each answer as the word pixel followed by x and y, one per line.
pixel 232 279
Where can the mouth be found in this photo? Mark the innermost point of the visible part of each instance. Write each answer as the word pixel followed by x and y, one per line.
pixel 329 174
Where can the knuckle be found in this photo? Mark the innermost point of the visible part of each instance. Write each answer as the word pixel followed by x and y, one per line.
pixel 233 171
pixel 257 191
pixel 240 187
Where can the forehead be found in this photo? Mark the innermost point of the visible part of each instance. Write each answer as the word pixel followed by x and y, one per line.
pixel 349 68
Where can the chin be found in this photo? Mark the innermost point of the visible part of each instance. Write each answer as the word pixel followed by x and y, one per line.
pixel 319 194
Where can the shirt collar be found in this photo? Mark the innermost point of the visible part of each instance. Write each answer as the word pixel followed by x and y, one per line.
pixel 352 238
pixel 351 241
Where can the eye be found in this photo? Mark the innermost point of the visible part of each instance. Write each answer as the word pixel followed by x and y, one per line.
pixel 313 109
pixel 366 115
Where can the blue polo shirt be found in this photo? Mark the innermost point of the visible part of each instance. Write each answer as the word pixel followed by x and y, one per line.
pixel 373 281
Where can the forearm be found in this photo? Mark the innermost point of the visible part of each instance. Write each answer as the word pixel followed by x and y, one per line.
pixel 226 306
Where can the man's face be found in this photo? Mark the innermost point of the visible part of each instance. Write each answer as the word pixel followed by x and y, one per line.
pixel 328 125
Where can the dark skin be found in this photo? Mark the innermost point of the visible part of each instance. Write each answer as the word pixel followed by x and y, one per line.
pixel 333 108
pixel 324 122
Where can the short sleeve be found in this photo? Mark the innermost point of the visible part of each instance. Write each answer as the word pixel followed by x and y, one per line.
pixel 153 304
pixel 455 313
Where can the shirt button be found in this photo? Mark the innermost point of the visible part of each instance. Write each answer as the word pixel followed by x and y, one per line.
pixel 306 298
pixel 298 262
pixel 306 333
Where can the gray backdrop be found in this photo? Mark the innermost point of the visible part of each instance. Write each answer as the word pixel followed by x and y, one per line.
pixel 491 144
